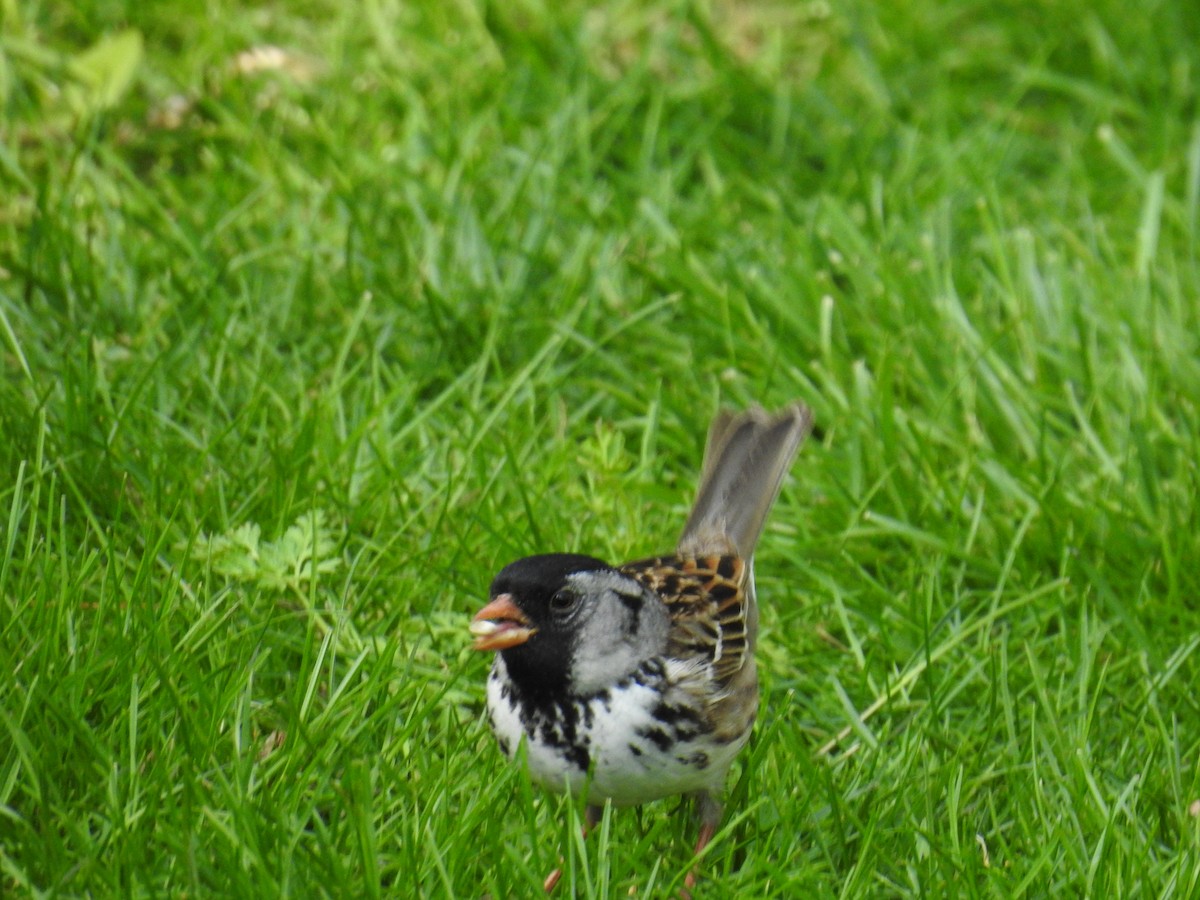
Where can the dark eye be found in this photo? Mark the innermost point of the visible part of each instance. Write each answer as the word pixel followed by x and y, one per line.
pixel 562 602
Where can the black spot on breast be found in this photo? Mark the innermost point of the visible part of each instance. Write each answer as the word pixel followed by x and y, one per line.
pixel 684 722
pixel 726 565
pixel 578 755
pixel 698 760
pixel 504 747
pixel 635 749
pixel 671 715
pixel 589 715
pixel 659 737
pixel 568 719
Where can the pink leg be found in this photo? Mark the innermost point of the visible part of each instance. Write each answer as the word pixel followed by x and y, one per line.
pixel 591 820
pixel 710 816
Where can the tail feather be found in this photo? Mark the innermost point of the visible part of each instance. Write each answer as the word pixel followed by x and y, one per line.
pixel 745 460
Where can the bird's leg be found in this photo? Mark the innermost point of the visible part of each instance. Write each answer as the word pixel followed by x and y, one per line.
pixel 709 811
pixel 591 818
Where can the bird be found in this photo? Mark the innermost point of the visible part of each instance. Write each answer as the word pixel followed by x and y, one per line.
pixel 637 681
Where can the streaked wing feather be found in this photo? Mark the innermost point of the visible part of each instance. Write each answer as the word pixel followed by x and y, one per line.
pixel 706 599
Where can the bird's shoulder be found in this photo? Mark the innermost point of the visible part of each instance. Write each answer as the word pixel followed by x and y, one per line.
pixel 706 599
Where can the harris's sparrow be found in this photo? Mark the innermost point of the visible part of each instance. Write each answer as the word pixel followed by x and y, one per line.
pixel 638 681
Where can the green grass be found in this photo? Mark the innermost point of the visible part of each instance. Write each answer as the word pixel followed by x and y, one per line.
pixel 295 359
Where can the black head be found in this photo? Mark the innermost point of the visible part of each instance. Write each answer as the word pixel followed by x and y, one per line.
pixel 533 580
pixel 569 624
pixel 539 587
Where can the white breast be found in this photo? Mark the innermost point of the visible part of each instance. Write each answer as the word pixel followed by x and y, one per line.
pixel 642 739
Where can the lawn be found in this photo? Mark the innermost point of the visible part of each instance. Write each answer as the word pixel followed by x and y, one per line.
pixel 313 315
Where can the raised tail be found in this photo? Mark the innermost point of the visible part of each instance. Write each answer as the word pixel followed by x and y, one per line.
pixel 746 457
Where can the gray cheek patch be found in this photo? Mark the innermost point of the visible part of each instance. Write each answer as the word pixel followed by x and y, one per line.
pixel 621 626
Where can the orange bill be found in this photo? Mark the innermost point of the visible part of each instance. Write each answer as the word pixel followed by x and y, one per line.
pixel 500 625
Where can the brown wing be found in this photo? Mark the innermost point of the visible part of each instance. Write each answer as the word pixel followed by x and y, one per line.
pixel 706 598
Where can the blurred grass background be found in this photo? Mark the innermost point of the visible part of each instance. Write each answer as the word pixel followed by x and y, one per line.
pixel 313 315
